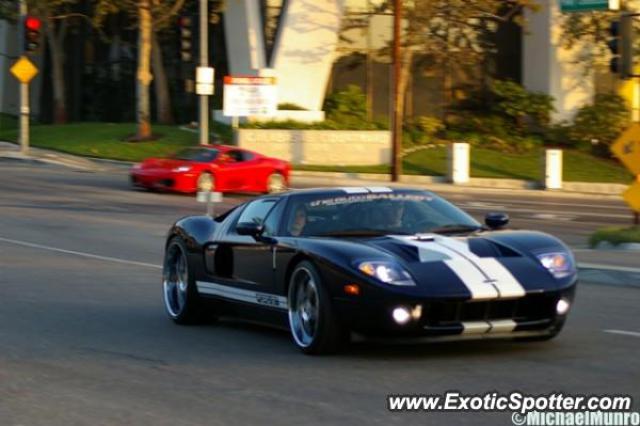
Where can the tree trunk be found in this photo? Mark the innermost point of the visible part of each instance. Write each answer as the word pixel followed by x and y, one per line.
pixel 57 72
pixel 164 113
pixel 144 76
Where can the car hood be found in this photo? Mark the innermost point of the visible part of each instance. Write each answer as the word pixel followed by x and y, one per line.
pixel 484 266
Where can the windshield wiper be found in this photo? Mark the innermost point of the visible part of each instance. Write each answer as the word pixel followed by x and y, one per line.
pixel 454 228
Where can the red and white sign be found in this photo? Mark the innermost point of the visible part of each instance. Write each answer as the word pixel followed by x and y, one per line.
pixel 246 96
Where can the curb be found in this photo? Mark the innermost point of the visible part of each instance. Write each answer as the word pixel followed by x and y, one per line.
pixel 578 189
pixel 605 245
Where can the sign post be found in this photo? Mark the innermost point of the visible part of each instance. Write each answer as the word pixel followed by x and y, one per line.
pixel 24 71
pixel 627 149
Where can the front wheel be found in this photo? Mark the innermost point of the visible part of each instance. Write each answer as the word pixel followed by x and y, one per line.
pixel 314 327
pixel 276 183
pixel 206 182
pixel 181 299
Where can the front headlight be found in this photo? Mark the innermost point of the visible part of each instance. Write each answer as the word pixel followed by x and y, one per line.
pixel 182 169
pixel 387 272
pixel 560 264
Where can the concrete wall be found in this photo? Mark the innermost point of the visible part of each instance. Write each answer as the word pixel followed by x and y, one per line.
pixel 550 68
pixel 319 147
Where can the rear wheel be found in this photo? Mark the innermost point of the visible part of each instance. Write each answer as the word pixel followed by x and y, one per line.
pixel 314 327
pixel 276 183
pixel 181 299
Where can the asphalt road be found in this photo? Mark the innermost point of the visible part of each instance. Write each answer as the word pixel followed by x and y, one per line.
pixel 84 338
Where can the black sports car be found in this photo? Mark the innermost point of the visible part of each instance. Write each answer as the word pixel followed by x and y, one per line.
pixel 377 262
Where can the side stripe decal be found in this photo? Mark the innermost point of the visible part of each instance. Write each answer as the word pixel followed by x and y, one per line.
pixel 242 295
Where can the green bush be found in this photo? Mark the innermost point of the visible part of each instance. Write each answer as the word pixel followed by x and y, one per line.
pixel 598 125
pixel 422 130
pixel 347 106
pixel 615 236
pixel 288 106
pixel 526 109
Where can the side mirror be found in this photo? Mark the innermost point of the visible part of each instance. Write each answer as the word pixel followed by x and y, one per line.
pixel 251 229
pixel 496 220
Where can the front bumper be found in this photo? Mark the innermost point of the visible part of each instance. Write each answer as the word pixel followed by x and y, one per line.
pixel 533 315
pixel 164 181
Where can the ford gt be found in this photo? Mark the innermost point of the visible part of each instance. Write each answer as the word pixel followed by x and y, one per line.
pixel 327 264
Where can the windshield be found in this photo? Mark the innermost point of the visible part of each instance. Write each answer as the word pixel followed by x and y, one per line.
pixel 200 155
pixel 375 214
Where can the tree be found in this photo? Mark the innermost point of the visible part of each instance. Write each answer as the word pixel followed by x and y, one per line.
pixel 148 14
pixel 55 14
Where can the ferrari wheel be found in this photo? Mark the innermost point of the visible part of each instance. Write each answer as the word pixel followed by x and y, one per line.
pixel 206 182
pixel 181 299
pixel 276 183
pixel 314 327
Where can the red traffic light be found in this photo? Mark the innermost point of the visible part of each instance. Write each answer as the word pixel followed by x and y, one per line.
pixel 32 23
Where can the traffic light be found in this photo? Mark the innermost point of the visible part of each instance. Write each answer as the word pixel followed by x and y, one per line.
pixel 186 38
pixel 32 26
pixel 621 47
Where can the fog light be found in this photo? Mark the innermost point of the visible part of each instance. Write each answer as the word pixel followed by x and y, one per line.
pixel 563 306
pixel 401 315
pixel 416 313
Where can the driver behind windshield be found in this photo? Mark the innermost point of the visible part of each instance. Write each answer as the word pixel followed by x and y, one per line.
pixel 296 227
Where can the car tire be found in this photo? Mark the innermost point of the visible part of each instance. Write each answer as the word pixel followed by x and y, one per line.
pixel 182 302
pixel 314 327
pixel 276 183
pixel 206 178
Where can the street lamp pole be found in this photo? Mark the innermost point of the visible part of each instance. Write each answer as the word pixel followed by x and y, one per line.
pixel 396 161
pixel 204 62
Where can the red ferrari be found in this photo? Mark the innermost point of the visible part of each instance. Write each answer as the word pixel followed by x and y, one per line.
pixel 220 167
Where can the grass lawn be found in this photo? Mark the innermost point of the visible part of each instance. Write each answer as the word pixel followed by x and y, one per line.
pixel 104 140
pixel 578 166
pixel 616 236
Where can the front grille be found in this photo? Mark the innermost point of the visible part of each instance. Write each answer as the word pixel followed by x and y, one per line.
pixel 529 308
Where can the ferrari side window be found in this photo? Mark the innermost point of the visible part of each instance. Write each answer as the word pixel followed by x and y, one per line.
pixel 256 211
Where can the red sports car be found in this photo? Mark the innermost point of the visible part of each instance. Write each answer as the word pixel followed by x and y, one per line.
pixel 220 167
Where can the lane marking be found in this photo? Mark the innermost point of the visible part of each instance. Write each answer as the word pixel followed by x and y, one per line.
pixel 603 267
pixel 79 253
pixel 623 332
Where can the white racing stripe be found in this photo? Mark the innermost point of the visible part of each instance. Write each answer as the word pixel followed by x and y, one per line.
pixel 500 277
pixel 485 277
pixel 242 295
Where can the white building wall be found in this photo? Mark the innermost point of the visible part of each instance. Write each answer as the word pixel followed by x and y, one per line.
pixel 304 50
pixel 244 35
pixel 550 68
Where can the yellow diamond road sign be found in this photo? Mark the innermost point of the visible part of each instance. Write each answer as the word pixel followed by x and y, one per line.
pixel 632 196
pixel 24 70
pixel 627 149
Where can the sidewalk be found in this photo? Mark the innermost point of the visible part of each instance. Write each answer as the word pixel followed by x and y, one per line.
pixel 612 267
pixel 440 184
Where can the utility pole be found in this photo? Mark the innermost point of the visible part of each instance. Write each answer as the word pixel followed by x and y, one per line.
pixel 396 132
pixel 24 87
pixel 204 62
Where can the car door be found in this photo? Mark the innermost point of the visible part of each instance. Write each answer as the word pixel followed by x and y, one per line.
pixel 237 169
pixel 242 261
